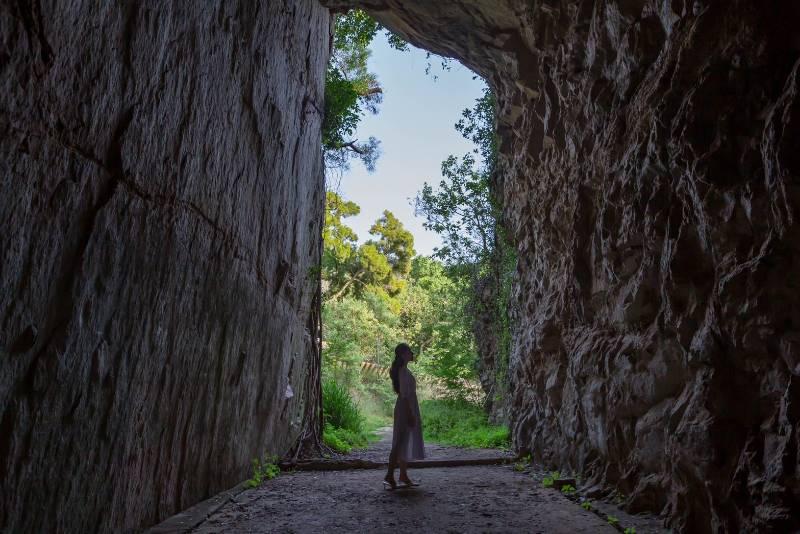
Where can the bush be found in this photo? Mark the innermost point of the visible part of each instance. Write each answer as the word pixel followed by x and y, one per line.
pixel 460 423
pixel 339 409
pixel 345 426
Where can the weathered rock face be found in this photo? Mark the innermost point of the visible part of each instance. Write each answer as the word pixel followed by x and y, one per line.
pixel 161 204
pixel 651 154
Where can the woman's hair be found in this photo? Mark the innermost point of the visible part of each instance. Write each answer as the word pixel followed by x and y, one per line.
pixel 398 362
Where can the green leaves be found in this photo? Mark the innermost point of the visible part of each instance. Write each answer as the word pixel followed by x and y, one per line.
pixel 394 242
pixel 461 209
pixel 351 90
pixel 380 265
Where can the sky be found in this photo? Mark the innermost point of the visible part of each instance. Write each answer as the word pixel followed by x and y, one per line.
pixel 415 126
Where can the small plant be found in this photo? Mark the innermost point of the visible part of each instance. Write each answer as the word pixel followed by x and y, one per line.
pixel 264 470
pixel 587 505
pixel 548 481
pixel 629 530
pixel 613 521
pixel 568 489
pixel 523 464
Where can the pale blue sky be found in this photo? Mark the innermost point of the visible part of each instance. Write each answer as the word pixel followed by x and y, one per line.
pixel 415 127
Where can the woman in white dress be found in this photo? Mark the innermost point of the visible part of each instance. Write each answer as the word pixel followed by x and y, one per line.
pixel 407 441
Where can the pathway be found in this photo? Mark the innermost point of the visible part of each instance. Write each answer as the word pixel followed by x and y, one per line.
pixel 455 499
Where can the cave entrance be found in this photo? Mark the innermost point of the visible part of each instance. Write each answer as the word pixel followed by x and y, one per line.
pixel 413 251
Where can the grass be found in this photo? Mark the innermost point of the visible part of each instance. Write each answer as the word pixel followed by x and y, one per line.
pixel 339 408
pixel 460 423
pixel 346 428
pixel 263 470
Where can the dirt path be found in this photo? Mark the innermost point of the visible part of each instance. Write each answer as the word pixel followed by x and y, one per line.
pixel 460 499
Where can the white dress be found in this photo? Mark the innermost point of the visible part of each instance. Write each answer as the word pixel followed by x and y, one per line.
pixel 407 440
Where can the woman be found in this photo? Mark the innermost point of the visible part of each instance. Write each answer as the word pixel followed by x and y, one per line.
pixel 407 435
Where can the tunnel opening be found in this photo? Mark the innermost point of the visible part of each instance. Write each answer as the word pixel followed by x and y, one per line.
pixel 413 250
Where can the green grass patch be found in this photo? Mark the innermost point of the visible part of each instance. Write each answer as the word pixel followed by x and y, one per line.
pixel 346 428
pixel 460 423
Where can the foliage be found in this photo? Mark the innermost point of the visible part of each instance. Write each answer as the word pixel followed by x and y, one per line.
pixel 381 265
pixel 586 505
pixel 548 481
pixel 351 90
pixel 463 212
pixel 343 440
pixel 612 520
pixel 460 423
pixel 568 489
pixel 339 409
pixel 263 470
pixel 355 330
pixel 629 530
pixel 345 426
pixel 433 319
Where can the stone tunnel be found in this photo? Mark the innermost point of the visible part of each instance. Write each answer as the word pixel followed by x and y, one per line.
pixel 162 202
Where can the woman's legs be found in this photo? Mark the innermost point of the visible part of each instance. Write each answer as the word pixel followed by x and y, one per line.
pixel 404 471
pixel 392 464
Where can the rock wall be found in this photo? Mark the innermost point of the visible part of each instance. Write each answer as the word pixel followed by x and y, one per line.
pixel 161 205
pixel 651 180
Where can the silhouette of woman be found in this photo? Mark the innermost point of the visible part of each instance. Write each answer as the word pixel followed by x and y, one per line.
pixel 407 441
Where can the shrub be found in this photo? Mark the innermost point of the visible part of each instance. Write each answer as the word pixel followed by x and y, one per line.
pixel 264 470
pixel 339 409
pixel 344 424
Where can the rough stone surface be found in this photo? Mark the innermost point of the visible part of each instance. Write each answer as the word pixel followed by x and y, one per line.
pixel 494 499
pixel 161 205
pixel 650 154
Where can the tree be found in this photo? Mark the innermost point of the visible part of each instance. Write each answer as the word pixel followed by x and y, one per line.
pixel 432 319
pixel 463 211
pixel 350 90
pixel 380 265
pixel 395 242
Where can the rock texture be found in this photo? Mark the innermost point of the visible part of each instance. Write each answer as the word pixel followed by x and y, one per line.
pixel 161 204
pixel 651 179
